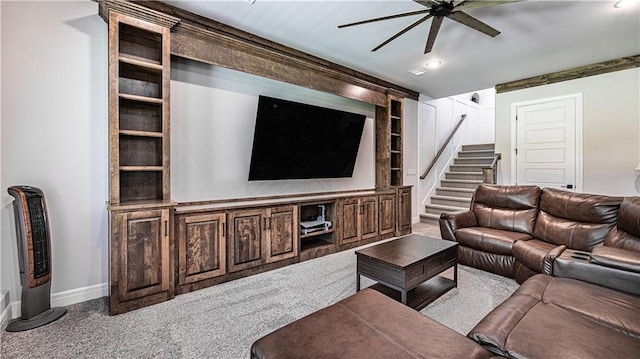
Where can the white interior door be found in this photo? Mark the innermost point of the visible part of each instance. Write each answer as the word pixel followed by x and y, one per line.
pixel 546 151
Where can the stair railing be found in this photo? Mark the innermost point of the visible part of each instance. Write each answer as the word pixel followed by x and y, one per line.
pixel 489 174
pixel 444 145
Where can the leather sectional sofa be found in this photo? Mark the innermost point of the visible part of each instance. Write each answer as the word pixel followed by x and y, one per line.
pixel 586 304
pixel 509 230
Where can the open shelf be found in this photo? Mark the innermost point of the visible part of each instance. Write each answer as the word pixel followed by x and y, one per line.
pixel 140 44
pixel 140 186
pixel 140 81
pixel 319 238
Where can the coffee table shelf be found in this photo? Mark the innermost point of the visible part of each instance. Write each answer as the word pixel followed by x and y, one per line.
pixel 422 295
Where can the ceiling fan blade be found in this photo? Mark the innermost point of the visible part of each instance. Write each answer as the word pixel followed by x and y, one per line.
pixel 403 31
pixel 472 4
pixel 385 18
pixel 474 23
pixel 433 32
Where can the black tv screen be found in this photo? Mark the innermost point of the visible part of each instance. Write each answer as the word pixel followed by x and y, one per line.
pixel 300 141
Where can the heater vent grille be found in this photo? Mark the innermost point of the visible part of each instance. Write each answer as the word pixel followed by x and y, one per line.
pixel 39 235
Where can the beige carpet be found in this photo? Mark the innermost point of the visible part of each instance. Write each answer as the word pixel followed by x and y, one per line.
pixel 222 321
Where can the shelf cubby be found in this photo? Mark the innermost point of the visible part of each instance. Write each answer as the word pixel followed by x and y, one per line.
pixel 322 238
pixel 140 151
pixel 140 81
pixel 139 43
pixel 138 186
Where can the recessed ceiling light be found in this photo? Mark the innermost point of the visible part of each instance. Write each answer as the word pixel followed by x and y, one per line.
pixel 417 71
pixel 625 3
pixel 433 64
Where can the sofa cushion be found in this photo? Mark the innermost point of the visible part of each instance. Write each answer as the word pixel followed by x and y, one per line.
pixel 489 239
pixel 491 262
pixel 532 252
pixel 549 317
pixel 510 208
pixel 578 220
pixel 367 324
pixel 626 235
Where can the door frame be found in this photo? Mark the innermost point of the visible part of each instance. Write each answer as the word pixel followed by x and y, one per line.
pixel 578 128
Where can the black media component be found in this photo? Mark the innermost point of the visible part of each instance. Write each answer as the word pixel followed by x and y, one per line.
pixel 300 141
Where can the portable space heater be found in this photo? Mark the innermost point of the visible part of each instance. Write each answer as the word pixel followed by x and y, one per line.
pixel 34 259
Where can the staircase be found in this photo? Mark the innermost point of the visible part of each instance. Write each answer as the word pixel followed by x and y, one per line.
pixel 456 189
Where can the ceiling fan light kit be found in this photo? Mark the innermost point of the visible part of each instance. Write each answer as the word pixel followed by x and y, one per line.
pixel 438 10
pixel 433 64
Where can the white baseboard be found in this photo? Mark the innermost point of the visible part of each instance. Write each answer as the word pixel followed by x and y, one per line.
pixel 67 297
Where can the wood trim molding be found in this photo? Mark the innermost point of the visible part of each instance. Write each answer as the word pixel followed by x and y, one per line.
pixel 137 11
pixel 623 63
pixel 201 39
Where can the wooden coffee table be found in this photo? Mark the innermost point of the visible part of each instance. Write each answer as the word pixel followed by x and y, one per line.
pixel 407 268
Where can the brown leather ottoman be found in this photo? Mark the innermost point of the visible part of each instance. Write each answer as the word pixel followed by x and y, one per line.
pixel 367 324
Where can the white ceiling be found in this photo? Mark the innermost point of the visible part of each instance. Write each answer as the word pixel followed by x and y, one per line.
pixel 538 37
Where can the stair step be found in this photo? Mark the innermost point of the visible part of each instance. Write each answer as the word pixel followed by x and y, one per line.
pixel 480 146
pixel 457 183
pixel 429 218
pixel 439 208
pixel 476 176
pixel 479 153
pixel 466 168
pixel 455 192
pixel 451 201
pixel 484 161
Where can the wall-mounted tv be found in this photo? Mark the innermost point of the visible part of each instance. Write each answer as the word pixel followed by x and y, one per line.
pixel 300 141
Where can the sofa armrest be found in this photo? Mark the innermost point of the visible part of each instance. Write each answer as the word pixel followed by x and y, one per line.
pixel 577 265
pixel 450 222
pixel 547 262
pixel 616 258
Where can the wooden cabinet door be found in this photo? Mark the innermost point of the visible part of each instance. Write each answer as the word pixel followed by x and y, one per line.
pixel 246 240
pixel 283 233
pixel 404 211
pixel 350 221
pixel 369 217
pixel 387 217
pixel 201 247
pixel 141 272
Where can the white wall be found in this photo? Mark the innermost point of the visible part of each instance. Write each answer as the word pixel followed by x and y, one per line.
pixel 54 136
pixel 213 113
pixel 611 129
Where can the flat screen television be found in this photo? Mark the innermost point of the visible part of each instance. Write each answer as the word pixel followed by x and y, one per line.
pixel 300 141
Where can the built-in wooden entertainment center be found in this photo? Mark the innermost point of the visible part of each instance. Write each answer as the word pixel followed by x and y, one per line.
pixel 159 247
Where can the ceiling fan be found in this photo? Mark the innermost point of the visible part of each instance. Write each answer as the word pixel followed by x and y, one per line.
pixel 438 10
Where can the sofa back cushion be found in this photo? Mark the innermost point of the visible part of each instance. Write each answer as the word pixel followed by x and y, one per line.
pixel 578 220
pixel 626 235
pixel 510 208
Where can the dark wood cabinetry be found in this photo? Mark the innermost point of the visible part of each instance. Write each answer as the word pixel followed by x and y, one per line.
pixel 139 56
pixel 389 144
pixel 259 236
pixel 140 259
pixel 149 261
pixel 387 217
pixel 201 247
pixel 404 211
pixel 358 220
